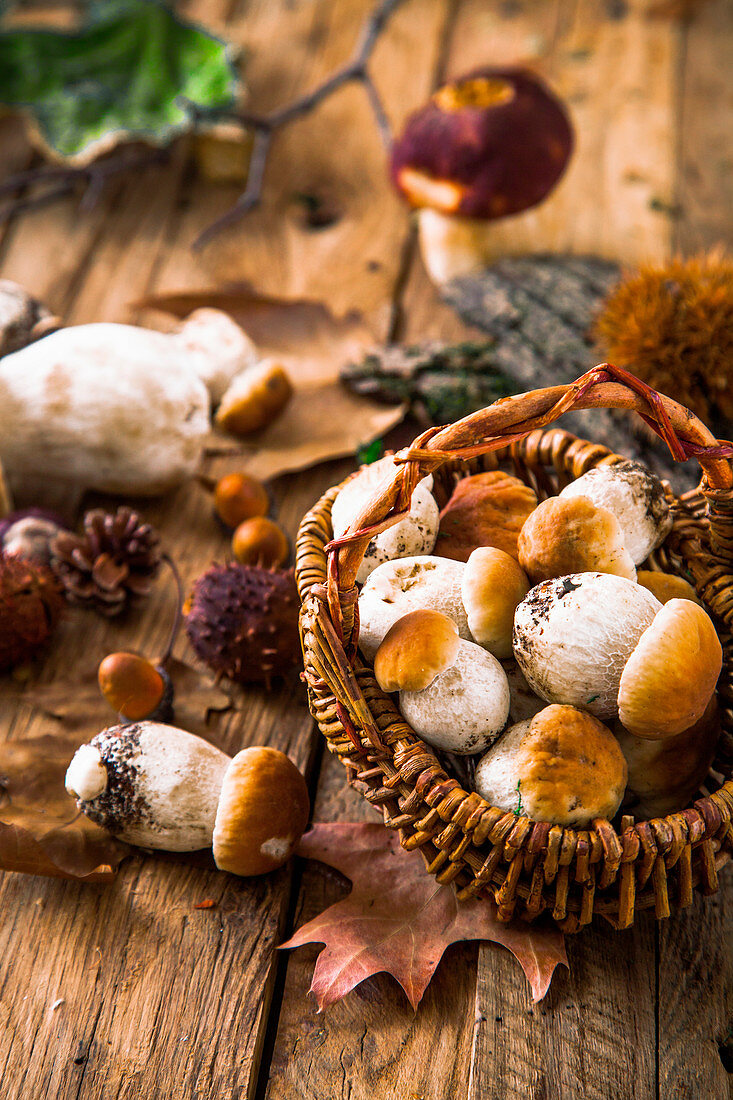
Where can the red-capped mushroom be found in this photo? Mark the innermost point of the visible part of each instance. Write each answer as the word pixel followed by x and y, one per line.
pixel 487 145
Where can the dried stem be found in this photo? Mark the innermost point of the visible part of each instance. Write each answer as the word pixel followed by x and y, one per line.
pixel 62 181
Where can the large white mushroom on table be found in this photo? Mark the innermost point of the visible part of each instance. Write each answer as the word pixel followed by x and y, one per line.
pixel 116 408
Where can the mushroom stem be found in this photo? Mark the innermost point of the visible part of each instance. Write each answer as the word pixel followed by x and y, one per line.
pixel 452 246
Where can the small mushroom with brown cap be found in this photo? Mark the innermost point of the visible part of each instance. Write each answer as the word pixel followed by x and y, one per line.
pixel 465 708
pixel 665 775
pixel 562 766
pixel 409 584
pixel 493 585
pixel 670 677
pixel 157 786
pixel 635 496
pixel 415 650
pixel 487 145
pixel 573 636
pixel 572 536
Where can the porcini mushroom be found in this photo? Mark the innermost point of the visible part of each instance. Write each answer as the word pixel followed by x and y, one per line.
pixel 415 650
pixel 465 708
pixel 665 775
pixel 670 677
pixel 409 584
pixel 490 144
pixel 254 398
pixel 159 787
pixel 562 766
pixel 635 496
pixel 113 407
pixel 572 535
pixel 492 586
pixel 414 534
pixel 667 586
pixel 486 509
pixel 573 636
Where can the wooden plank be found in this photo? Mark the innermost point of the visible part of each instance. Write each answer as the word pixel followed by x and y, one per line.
pixel 696 999
pixel 593 1035
pixel 370 1044
pixel 704 199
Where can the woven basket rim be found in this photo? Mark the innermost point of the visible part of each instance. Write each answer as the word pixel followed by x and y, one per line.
pixel 600 841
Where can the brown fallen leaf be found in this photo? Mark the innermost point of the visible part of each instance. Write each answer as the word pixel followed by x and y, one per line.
pixel 41 831
pixel 80 706
pixel 323 420
pixel 399 920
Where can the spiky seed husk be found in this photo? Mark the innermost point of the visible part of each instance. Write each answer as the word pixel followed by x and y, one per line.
pixel 30 606
pixel 672 325
pixel 242 620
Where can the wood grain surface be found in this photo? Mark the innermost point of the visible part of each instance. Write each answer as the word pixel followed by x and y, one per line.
pixel 129 991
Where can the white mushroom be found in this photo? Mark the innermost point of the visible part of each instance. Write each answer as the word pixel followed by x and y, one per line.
pixel 109 407
pixel 217 349
pixel 561 765
pixel 635 496
pixel 415 534
pixel 159 787
pixel 409 584
pixel 465 708
pixel 573 636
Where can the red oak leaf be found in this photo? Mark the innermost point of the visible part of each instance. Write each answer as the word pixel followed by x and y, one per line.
pixel 399 920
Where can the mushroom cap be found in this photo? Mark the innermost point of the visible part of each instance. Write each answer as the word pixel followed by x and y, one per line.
pixel 486 509
pixel 415 534
pixel 493 584
pixel 414 650
pixel 262 813
pixel 573 635
pixel 409 584
pixel 667 586
pixel 162 785
pixel 489 144
pixel 665 775
pixel 671 675
pixel 566 766
pixel 465 708
pixel 254 398
pixel 572 535
pixel 635 496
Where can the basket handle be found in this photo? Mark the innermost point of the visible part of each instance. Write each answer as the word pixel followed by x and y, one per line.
pixel 509 420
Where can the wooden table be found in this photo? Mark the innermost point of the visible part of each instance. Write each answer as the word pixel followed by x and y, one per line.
pixel 159 999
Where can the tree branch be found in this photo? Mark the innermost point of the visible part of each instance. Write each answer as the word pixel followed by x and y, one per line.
pixel 47 184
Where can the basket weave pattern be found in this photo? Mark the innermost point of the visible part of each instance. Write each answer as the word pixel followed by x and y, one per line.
pixel 526 867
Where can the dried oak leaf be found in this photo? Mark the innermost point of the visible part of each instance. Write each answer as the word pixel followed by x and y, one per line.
pixel 41 831
pixel 398 919
pixel 80 706
pixel 323 420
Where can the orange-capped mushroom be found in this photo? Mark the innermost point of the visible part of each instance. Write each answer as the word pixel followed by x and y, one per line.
pixel 572 535
pixel 670 677
pixel 667 586
pixel 493 585
pixel 262 812
pixel 416 649
pixel 486 509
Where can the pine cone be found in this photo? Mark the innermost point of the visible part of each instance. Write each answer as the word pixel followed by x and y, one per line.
pixel 114 561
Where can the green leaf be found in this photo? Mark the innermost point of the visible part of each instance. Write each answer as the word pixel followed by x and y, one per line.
pixel 122 76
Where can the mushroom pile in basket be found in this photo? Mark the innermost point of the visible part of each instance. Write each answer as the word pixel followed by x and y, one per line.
pixel 524 635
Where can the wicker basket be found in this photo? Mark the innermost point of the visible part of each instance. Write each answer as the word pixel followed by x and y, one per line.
pixel 526 867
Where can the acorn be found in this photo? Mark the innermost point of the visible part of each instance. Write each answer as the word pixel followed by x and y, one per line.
pixel 136 688
pixel 238 497
pixel 30 606
pixel 242 620
pixel 260 541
